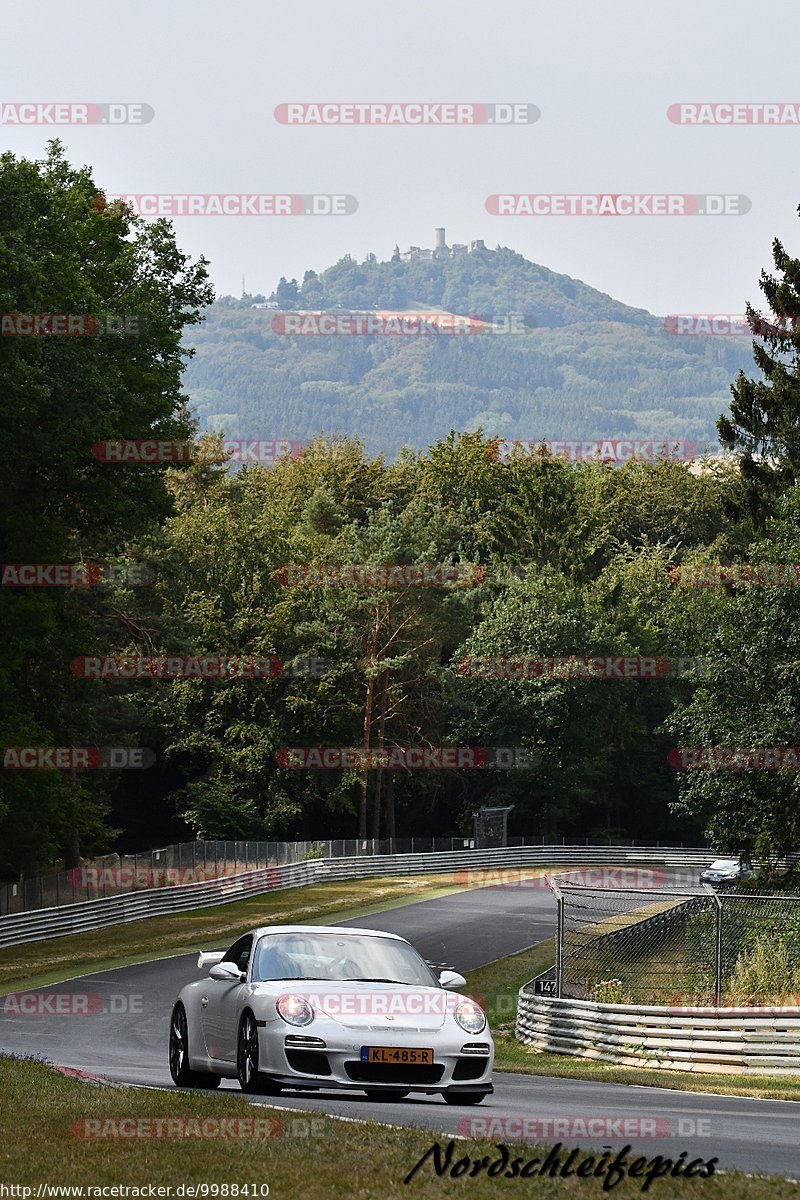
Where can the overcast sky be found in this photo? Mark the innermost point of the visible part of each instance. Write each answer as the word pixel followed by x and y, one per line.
pixel 603 76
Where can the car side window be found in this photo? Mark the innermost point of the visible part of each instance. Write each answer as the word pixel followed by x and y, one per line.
pixel 239 952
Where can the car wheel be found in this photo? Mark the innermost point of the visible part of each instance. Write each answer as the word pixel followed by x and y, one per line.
pixel 182 1074
pixel 250 1078
pixel 380 1094
pixel 463 1097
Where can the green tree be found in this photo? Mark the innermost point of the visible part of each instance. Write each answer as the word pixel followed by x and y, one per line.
pixel 764 421
pixel 750 698
pixel 63 249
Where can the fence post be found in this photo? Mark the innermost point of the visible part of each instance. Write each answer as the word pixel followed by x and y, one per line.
pixel 559 895
pixel 717 944
pixel 718 980
pixel 560 948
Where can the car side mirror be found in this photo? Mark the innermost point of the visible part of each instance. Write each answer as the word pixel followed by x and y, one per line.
pixel 228 972
pixel 451 980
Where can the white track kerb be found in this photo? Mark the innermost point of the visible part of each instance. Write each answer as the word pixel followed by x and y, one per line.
pixel 18 928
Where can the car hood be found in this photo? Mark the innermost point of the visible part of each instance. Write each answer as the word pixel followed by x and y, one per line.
pixel 356 1005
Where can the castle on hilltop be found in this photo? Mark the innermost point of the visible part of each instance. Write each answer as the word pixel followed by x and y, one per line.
pixel 440 250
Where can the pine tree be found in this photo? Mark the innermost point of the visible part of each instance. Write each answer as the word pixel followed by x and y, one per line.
pixel 765 413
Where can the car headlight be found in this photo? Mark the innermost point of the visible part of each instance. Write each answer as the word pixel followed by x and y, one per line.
pixel 295 1010
pixel 470 1017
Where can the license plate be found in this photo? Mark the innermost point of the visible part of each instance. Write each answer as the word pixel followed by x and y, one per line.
pixel 397 1055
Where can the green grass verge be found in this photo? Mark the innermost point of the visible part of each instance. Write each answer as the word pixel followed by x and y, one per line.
pixel 38 963
pixel 306 1157
pixel 496 986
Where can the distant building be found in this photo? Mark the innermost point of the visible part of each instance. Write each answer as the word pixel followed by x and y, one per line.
pixel 440 249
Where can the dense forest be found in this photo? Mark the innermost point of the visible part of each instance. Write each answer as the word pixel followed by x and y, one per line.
pixel 578 364
pixel 376 588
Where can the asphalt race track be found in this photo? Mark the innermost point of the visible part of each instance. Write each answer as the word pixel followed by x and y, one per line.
pixel 124 1037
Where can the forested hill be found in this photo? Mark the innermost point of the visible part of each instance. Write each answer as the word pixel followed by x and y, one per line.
pixel 581 366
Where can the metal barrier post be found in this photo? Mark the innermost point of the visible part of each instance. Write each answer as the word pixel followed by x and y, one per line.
pixel 559 895
pixel 717 944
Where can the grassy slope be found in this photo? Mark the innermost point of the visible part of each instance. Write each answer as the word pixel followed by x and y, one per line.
pixel 307 1158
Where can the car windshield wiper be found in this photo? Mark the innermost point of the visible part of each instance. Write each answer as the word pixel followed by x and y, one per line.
pixel 377 979
pixel 289 978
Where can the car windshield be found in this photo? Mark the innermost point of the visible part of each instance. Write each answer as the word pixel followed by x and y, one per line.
pixel 336 956
pixel 724 864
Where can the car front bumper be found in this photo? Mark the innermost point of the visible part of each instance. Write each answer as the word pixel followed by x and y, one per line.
pixel 457 1065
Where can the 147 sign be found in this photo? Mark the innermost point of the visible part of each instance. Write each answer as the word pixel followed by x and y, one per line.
pixel 544 987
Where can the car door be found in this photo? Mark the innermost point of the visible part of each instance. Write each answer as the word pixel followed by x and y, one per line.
pixel 219 1004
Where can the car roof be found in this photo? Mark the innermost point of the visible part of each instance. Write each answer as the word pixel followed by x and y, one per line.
pixel 317 929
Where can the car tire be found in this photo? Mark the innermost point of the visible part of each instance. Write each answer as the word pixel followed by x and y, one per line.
pixel 251 1080
pixel 463 1097
pixel 182 1074
pixel 380 1094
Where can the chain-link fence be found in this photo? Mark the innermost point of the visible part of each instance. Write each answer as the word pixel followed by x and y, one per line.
pixel 677 947
pixel 191 862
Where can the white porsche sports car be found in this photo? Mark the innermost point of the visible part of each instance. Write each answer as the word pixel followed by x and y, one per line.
pixel 316 1006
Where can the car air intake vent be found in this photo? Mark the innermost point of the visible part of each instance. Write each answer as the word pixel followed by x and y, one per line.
pixel 393 1073
pixel 469 1068
pixel 310 1062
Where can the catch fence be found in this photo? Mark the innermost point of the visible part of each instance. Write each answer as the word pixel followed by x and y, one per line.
pixel 197 862
pixel 653 946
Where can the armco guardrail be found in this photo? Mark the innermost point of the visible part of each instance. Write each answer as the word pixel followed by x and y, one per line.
pixel 755 1041
pixel 202 861
pixel 19 928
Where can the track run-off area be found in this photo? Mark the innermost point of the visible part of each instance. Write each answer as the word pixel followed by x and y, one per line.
pixel 123 1036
